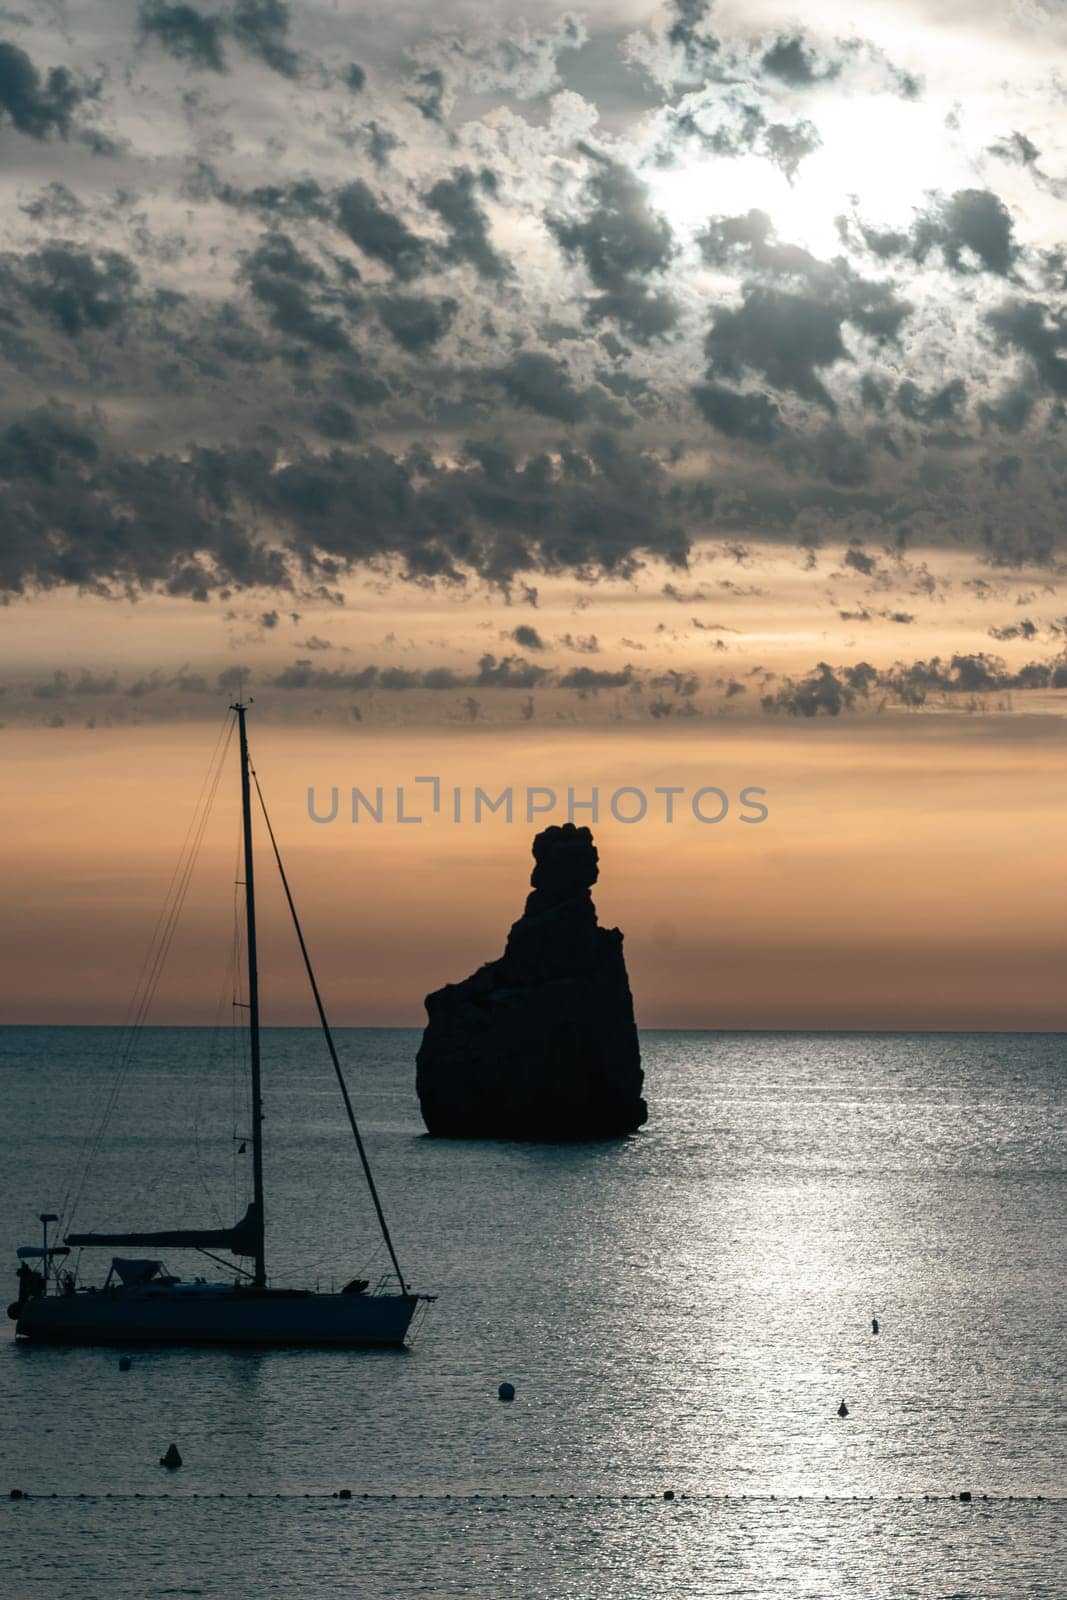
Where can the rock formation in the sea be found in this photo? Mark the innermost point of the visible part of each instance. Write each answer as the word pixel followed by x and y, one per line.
pixel 542 1043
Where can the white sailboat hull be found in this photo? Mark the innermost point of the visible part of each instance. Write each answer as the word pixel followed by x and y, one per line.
pixel 202 1315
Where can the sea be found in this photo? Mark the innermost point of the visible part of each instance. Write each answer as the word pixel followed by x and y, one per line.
pixel 681 1314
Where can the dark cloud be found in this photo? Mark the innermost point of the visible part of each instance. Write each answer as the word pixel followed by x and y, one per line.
pixel 786 144
pixel 510 672
pixel 358 385
pixel 943 404
pixel 429 94
pixel 828 691
pixel 261 28
pixel 261 340
pixel 789 338
pixel 415 321
pixel 823 692
pixel 622 243
pixel 1037 331
pixel 1015 630
pixel 861 562
pixel 62 684
pixel 54 203
pixel 35 448
pixel 78 290
pixel 973 225
pixel 971 229
pixel 455 201
pixel 185 33
pixel 794 62
pixel 739 416
pixel 284 281
pixel 35 106
pixel 80 513
pixel 1016 148
pixel 334 421
pixel 378 233
pixel 541 383
pixel 189 34
pixel 527 638
pixel 590 680
pixel 789 335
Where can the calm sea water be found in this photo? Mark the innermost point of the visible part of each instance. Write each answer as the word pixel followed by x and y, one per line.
pixel 684 1310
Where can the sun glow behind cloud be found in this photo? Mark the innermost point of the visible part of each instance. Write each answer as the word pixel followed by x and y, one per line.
pixel 881 155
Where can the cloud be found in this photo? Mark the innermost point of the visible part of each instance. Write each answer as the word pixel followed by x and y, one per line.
pixel 542 383
pixel 622 243
pixel 526 637
pixel 972 230
pixel 786 144
pixel 482 355
pixel 821 693
pixel 1040 333
pixel 590 680
pixel 455 201
pixel 795 63
pixel 378 232
pixel 789 338
pixel 283 281
pixel 191 524
pixel 789 335
pixel 829 691
pixel 185 33
pixel 739 416
pixel 415 321
pixel 261 28
pixel 36 107
pixel 1015 630
pixel 79 291
pixel 505 59
pixel 1017 149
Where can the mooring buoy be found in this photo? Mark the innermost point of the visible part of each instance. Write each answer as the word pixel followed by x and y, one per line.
pixel 506 1391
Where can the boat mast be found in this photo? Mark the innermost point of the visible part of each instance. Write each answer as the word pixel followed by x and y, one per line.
pixel 260 1276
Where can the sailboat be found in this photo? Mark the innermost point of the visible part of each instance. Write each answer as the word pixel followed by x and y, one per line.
pixel 141 1302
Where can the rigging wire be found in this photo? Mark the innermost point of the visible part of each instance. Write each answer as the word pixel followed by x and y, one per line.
pixel 152 965
pixel 329 1041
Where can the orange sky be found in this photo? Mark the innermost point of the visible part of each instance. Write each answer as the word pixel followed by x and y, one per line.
pixel 909 874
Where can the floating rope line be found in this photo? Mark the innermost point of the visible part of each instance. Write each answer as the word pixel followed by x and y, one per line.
pixel 497 1497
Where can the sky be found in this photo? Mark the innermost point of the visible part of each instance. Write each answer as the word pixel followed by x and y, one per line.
pixel 622 396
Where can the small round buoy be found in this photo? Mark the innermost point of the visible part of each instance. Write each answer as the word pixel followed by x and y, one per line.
pixel 668 1494
pixel 874 1324
pixel 172 1458
pixel 17 1494
pixel 506 1391
pixel 125 1363
pixel 842 1410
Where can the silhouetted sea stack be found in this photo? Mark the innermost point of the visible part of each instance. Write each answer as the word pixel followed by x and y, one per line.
pixel 541 1044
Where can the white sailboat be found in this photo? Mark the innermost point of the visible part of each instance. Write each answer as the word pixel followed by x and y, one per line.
pixel 140 1302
